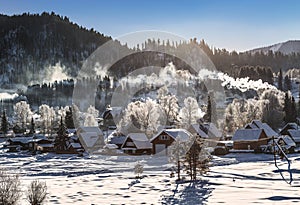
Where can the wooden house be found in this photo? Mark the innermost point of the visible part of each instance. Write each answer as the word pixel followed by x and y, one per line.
pixel 162 140
pixel 287 127
pixel 137 144
pixel 249 139
pixel 257 124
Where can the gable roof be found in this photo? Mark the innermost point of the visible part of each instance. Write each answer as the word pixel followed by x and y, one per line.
pixel 247 134
pixel 196 128
pixel 140 140
pixel 288 126
pixel 288 140
pixel 212 130
pixel 93 129
pixel 258 124
pixel 91 140
pixel 295 134
pixel 181 134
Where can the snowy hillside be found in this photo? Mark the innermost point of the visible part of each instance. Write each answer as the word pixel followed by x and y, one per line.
pixel 286 48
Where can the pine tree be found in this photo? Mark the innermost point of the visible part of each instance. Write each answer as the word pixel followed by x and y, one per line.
pixel 4 123
pixel 208 115
pixel 287 83
pixel 290 109
pixel 32 127
pixel 61 139
pixel 69 119
pixel 293 110
pixel 280 78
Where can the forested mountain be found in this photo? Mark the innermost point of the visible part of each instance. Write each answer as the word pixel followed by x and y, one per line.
pixel 31 42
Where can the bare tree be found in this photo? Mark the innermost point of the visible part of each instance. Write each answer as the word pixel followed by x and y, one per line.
pixel 36 192
pixel 10 191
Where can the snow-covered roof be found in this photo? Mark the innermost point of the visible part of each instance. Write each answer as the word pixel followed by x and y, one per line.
pixel 23 140
pixel 258 124
pixel 197 129
pixel 75 145
pixel 140 140
pixel 290 125
pixel 212 130
pixel 269 131
pixel 117 139
pixel 288 140
pixel 90 138
pixel 46 145
pixel 181 134
pixel 247 134
pixel 295 134
pixel 250 126
pixel 94 129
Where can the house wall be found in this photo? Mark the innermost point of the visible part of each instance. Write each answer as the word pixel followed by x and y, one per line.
pixel 243 145
pixel 158 140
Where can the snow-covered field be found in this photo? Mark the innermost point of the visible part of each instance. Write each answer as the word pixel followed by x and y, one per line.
pixel 235 178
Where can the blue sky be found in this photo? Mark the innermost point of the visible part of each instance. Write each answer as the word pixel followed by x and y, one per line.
pixel 235 25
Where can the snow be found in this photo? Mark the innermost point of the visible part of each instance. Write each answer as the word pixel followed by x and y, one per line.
pixel 236 178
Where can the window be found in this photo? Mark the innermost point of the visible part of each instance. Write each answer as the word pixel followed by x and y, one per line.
pixel 164 137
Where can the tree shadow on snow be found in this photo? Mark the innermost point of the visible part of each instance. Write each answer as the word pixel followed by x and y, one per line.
pixel 193 192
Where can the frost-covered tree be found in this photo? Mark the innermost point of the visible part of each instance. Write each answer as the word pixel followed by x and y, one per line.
pixel 90 121
pixel 176 154
pixel 143 115
pixel 10 191
pixel 47 118
pixel 190 113
pixel 36 192
pixel 22 113
pixel 138 169
pixel 169 106
pixel 240 112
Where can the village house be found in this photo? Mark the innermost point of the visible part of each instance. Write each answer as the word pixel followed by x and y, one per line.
pixel 116 138
pixel 207 131
pixel 91 138
pixel 162 140
pixel 249 139
pixel 137 144
pixel 257 124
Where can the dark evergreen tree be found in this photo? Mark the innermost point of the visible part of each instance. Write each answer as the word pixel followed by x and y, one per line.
pixel 280 78
pixel 4 123
pixel 69 119
pixel 298 111
pixel 32 127
pixel 61 140
pixel 208 115
pixel 287 83
pixel 289 109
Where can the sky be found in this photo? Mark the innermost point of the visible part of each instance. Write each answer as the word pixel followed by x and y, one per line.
pixel 235 25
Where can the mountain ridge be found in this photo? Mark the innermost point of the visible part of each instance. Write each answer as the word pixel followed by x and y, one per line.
pixel 287 48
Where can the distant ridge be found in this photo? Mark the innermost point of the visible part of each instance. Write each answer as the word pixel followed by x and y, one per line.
pixel 287 48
